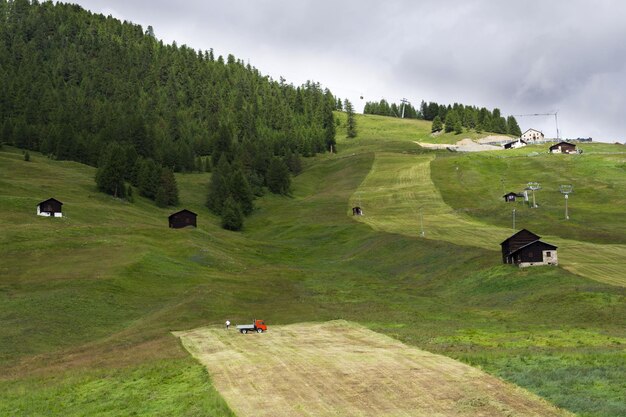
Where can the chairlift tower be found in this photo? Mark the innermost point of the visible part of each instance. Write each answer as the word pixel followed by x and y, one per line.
pixel 404 102
pixel 566 189
pixel 534 186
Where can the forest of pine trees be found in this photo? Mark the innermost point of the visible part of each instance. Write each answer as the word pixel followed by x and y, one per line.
pixel 453 118
pixel 81 86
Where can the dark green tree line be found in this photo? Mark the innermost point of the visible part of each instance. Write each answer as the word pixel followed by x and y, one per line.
pixel 73 82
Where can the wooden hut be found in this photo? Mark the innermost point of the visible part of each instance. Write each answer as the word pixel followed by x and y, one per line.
pixel 563 147
pixel 182 219
pixel 50 208
pixel 510 197
pixel 525 249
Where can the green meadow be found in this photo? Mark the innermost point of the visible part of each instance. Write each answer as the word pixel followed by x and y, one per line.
pixel 88 301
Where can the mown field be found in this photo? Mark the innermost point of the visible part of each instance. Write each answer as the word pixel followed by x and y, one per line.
pixel 88 302
pixel 339 368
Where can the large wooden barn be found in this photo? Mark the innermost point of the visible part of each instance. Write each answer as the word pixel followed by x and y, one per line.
pixel 563 147
pixel 525 249
pixel 50 208
pixel 182 219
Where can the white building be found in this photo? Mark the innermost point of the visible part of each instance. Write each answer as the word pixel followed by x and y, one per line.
pixel 532 135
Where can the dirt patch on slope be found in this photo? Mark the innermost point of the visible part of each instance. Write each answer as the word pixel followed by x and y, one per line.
pixel 343 369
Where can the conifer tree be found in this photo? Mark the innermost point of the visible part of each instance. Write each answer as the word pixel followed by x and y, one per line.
pixel 458 127
pixel 148 178
pixel 450 120
pixel 219 187
pixel 437 125
pixel 110 173
pixel 241 192
pixel 232 217
pixel 167 194
pixel 351 121
pixel 512 127
pixel 277 178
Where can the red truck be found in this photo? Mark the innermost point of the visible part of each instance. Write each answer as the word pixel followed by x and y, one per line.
pixel 259 326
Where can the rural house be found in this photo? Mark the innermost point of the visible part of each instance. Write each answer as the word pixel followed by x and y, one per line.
pixel 563 147
pixel 182 219
pixel 50 208
pixel 519 143
pixel 533 135
pixel 525 249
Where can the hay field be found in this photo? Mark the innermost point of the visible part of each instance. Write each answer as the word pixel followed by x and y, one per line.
pixel 343 369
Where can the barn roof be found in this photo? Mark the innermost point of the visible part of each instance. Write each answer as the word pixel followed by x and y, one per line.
pixel 544 244
pixel 181 212
pixel 50 199
pixel 537 237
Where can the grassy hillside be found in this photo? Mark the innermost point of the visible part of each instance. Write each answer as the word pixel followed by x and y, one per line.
pixel 89 300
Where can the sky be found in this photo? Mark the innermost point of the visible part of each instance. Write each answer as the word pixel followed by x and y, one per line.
pixel 524 57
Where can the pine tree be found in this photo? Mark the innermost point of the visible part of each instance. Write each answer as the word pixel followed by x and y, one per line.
pixel 277 178
pixel 351 122
pixel 241 192
pixel 219 187
pixel 294 163
pixel 232 217
pixel 148 178
pixel 110 173
pixel 458 127
pixel 450 120
pixel 437 125
pixel 512 127
pixel 167 194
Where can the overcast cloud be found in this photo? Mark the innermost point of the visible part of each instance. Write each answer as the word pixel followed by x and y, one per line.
pixel 522 57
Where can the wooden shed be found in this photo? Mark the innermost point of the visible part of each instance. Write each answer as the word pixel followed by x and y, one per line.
pixel 182 219
pixel 525 249
pixel 510 197
pixel 563 147
pixel 50 208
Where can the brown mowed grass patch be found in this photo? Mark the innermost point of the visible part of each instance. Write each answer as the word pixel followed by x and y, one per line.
pixel 343 369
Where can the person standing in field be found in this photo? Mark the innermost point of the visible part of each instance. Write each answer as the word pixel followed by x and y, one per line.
pixel 227 324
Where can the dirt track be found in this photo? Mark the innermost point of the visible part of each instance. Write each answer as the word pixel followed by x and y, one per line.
pixel 343 369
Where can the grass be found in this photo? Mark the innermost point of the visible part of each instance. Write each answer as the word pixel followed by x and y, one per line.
pixel 99 291
pixel 158 388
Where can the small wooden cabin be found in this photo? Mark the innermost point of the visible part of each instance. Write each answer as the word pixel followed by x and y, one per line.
pixel 525 249
pixel 182 219
pixel 50 208
pixel 356 211
pixel 510 197
pixel 563 147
